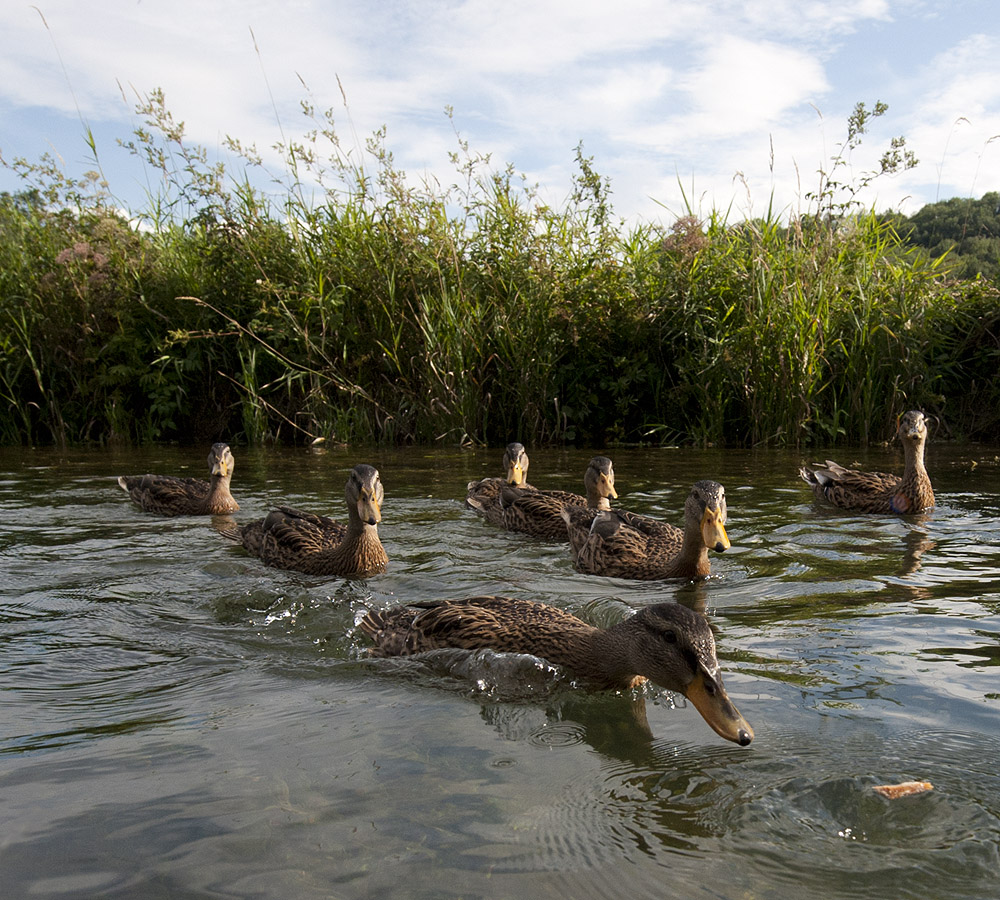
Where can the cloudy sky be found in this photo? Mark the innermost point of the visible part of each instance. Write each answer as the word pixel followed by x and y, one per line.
pixel 729 101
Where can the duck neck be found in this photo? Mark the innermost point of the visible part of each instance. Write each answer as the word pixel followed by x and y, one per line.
pixel 361 542
pixel 913 455
pixel 358 530
pixel 219 497
pixel 606 660
pixel 916 481
pixel 596 500
pixel 693 556
pixel 218 486
pixel 691 560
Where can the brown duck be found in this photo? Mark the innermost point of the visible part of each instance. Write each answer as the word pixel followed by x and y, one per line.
pixel 170 496
pixel 669 644
pixel 291 539
pixel 626 545
pixel 878 492
pixel 484 495
pixel 539 513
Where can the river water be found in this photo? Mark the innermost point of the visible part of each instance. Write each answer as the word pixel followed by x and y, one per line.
pixel 177 720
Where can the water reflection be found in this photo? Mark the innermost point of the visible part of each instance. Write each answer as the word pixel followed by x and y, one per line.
pixel 916 543
pixel 614 725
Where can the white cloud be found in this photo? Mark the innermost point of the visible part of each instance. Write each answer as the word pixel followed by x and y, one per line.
pixel 743 85
pixel 956 128
pixel 656 89
pixel 811 19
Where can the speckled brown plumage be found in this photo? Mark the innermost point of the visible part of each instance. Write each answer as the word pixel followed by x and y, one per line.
pixel 662 535
pixel 625 545
pixel 667 643
pixel 539 513
pixel 879 492
pixel 317 545
pixel 171 496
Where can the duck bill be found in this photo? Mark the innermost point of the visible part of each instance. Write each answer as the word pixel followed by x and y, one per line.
pixel 911 427
pixel 369 510
pixel 515 474
pixel 219 467
pixel 713 531
pixel 712 701
pixel 611 488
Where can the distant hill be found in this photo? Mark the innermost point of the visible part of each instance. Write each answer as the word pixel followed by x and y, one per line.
pixel 968 230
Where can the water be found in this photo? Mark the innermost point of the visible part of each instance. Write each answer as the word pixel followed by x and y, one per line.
pixel 177 720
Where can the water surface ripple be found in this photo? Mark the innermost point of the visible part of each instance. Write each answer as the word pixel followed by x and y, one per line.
pixel 178 720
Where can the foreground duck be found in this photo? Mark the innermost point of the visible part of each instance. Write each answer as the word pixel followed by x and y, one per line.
pixel 539 513
pixel 669 644
pixel 484 495
pixel 626 545
pixel 171 496
pixel 317 545
pixel 878 492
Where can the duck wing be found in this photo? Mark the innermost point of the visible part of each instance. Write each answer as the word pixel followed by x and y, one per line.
pixel 505 624
pixel 286 536
pixel 538 513
pixel 851 488
pixel 166 494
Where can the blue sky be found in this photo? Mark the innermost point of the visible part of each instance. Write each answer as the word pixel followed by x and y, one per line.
pixel 731 101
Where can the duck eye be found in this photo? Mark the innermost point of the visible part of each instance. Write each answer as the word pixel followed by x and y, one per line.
pixel 670 637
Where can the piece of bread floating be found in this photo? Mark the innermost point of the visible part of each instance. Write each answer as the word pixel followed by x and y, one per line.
pixel 893 791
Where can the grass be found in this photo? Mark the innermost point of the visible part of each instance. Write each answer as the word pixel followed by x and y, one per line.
pixel 383 310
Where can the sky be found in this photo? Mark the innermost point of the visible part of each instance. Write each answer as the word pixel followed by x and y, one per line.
pixel 703 105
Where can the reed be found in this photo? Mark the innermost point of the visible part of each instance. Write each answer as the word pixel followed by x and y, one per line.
pixel 380 309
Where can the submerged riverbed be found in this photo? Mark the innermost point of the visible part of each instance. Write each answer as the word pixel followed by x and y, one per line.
pixel 178 720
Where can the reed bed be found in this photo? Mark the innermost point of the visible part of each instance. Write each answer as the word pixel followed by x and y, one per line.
pixel 381 310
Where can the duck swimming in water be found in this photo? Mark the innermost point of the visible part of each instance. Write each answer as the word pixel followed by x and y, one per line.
pixel 668 644
pixel 317 545
pixel 484 495
pixel 625 545
pixel 172 496
pixel 539 513
pixel 879 492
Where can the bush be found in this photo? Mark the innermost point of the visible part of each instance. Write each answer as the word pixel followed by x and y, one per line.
pixel 380 310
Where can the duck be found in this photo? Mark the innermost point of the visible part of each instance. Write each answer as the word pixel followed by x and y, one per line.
pixel 318 545
pixel 173 496
pixel 879 492
pixel 582 518
pixel 625 545
pixel 666 643
pixel 484 495
pixel 539 513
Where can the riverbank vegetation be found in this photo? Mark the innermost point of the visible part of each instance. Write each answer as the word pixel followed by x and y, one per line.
pixel 386 310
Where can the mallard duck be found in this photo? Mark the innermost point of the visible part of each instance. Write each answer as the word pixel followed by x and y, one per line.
pixel 539 513
pixel 317 545
pixel 626 545
pixel 484 495
pixel 669 644
pixel 170 496
pixel 878 492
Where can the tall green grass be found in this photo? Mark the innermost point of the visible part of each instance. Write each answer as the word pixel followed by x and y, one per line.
pixel 384 309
